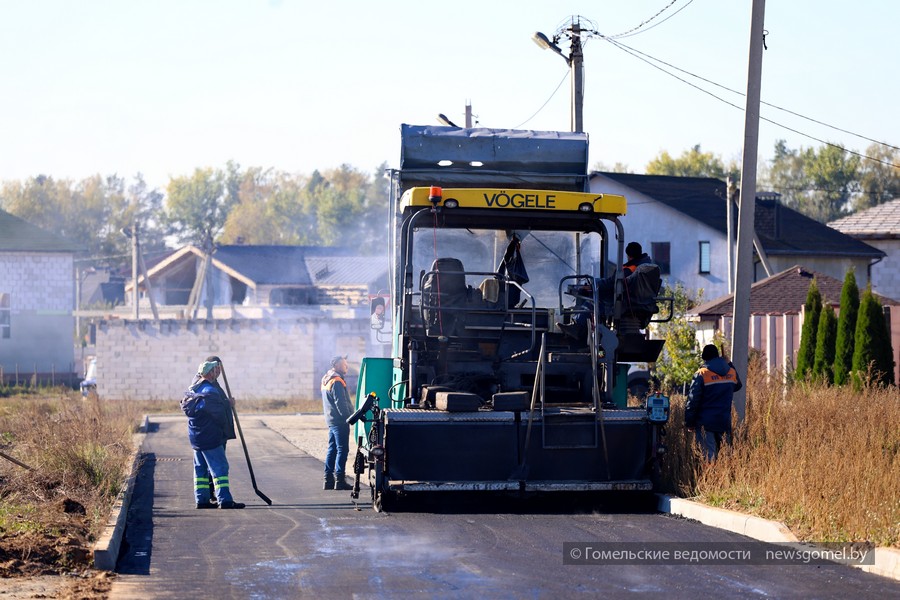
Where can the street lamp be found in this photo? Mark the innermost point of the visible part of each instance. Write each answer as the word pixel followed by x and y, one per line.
pixel 575 59
pixel 545 44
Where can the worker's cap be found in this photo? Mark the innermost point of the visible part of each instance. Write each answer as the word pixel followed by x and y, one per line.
pixel 709 352
pixel 337 359
pixel 207 366
pixel 634 249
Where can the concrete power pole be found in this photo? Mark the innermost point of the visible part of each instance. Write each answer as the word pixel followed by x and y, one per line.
pixel 576 63
pixel 730 191
pixel 136 311
pixel 740 326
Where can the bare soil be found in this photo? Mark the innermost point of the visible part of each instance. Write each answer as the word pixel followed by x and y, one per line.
pixel 43 565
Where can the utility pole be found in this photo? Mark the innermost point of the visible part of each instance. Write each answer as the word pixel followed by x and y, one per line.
pixel 136 311
pixel 576 64
pixel 146 279
pixel 575 60
pixel 740 326
pixel 730 191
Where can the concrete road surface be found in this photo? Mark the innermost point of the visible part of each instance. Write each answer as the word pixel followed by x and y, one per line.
pixel 313 543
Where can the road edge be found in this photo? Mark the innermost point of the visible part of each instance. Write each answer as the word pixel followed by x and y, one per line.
pixel 106 549
pixel 887 560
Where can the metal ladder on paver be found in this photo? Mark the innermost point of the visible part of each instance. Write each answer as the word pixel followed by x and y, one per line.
pixel 563 420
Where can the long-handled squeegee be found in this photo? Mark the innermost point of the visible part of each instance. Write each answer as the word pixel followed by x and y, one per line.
pixel 237 422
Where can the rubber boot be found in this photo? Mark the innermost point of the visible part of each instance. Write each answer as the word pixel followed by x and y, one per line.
pixel 329 482
pixel 340 483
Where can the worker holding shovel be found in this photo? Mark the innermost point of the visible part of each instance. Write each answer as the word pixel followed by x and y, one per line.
pixel 229 424
pixel 209 414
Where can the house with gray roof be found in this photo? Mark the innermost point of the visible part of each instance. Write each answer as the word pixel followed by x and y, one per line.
pixel 682 223
pixel 265 277
pixel 879 227
pixel 37 297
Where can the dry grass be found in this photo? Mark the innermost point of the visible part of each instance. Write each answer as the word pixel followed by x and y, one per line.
pixel 823 460
pixel 78 449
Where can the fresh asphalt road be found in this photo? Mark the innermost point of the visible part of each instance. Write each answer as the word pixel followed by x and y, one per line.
pixel 314 543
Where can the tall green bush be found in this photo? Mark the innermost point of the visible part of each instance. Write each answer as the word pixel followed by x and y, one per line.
pixel 806 356
pixel 823 367
pixel 681 354
pixel 873 344
pixel 846 329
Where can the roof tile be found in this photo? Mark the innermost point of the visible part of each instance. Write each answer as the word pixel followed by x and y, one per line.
pixel 782 293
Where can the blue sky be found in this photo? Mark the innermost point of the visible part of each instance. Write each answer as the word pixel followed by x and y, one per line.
pixel 165 86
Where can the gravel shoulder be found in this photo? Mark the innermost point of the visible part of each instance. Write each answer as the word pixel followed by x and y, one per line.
pixel 307 431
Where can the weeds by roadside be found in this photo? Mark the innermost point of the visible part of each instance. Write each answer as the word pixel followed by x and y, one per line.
pixel 824 460
pixel 78 449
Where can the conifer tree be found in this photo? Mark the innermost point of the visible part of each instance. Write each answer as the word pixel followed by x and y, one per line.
pixel 872 344
pixel 823 368
pixel 806 356
pixel 846 329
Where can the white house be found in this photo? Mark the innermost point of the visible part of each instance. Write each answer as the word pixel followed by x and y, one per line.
pixel 37 296
pixel 878 226
pixel 682 223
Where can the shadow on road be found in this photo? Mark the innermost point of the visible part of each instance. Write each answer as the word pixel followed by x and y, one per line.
pixel 542 504
pixel 137 543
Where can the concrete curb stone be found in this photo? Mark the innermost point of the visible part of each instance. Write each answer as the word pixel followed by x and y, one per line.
pixel 106 549
pixel 887 560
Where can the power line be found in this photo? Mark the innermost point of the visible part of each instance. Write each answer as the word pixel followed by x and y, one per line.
pixel 634 30
pixel 638 54
pixel 796 114
pixel 545 103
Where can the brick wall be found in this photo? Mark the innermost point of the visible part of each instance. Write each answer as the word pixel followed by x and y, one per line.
pixel 264 359
pixel 38 281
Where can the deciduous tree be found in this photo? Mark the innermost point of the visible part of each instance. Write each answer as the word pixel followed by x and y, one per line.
pixel 90 213
pixel 879 181
pixel 821 184
pixel 198 205
pixel 691 163
pixel 681 354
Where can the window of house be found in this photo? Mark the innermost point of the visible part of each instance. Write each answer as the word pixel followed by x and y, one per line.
pixel 288 297
pixel 660 252
pixel 704 257
pixel 4 316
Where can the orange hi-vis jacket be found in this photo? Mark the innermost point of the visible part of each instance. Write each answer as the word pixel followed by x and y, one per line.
pixel 335 399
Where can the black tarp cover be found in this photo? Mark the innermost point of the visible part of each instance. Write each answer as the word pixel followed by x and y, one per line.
pixel 516 159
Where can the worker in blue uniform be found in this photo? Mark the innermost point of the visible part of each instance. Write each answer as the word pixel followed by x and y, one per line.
pixel 209 414
pixel 708 408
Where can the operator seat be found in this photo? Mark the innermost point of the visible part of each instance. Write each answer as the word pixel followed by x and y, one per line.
pixel 444 294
